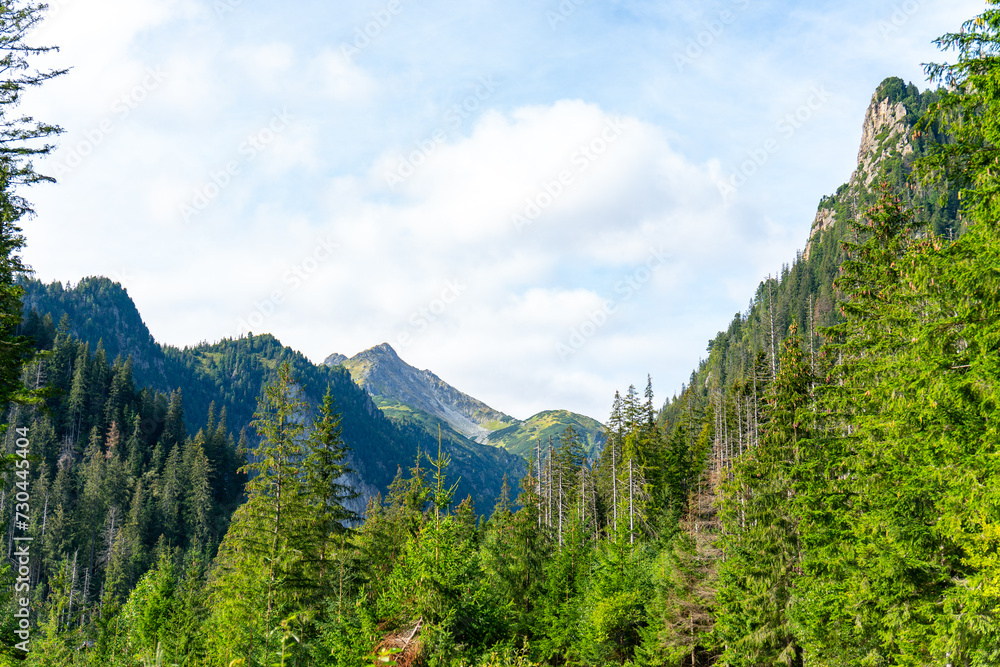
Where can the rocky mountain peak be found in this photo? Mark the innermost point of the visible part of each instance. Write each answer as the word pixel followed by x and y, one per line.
pixel 383 352
pixel 885 131
pixel 381 372
pixel 335 359
pixel 383 349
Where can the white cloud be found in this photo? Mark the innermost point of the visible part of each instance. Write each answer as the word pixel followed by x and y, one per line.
pixel 641 147
pixel 627 197
pixel 341 79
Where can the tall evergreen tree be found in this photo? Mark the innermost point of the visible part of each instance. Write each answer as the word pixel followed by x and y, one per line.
pixel 21 139
pixel 873 567
pixel 328 523
pixel 249 591
pixel 957 340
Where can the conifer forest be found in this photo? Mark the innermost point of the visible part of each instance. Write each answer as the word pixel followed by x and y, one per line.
pixel 823 491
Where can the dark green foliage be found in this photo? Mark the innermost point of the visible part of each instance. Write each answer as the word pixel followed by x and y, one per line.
pixel 761 534
pixel 14 350
pixel 324 472
pixel 21 138
pixel 232 374
pixel 104 505
pixel 94 309
pixel 823 492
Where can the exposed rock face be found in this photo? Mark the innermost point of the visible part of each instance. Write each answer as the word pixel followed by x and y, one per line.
pixel 824 221
pixel 335 360
pixel 885 131
pixel 381 372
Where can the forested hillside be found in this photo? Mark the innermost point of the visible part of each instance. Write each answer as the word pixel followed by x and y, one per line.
pixel 116 479
pixel 95 309
pixel 823 492
pixel 231 374
pixel 804 291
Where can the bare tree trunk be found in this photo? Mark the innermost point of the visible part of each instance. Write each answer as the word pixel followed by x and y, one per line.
pixel 84 594
pixel 538 480
pixel 72 590
pixel 614 485
pixel 756 431
pixel 812 335
pixel 739 423
pixel 770 307
pixel 549 485
pixel 560 507
pixel 593 505
pixel 631 509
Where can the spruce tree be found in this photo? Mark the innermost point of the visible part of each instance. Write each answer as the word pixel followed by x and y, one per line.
pixel 956 344
pixel 21 139
pixel 328 524
pixel 873 570
pixel 249 592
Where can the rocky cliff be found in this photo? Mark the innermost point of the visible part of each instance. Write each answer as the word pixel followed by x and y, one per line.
pixel 886 145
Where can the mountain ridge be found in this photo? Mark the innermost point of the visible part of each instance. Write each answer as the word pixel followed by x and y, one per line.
pixel 231 374
pixel 382 373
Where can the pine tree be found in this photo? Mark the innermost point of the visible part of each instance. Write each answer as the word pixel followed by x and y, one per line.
pixel 14 350
pixel 614 604
pixel 174 433
pixel 872 561
pixel 197 501
pixel 513 555
pixel 76 415
pixel 21 138
pixel 956 380
pixel 249 591
pixel 171 493
pixel 615 438
pixel 328 523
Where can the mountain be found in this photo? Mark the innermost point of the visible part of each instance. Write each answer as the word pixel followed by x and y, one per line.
pixel 99 309
pixel 231 374
pixel 381 372
pixel 520 438
pixel 421 397
pixel 803 292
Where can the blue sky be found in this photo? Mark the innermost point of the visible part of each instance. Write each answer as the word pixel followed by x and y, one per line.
pixel 524 197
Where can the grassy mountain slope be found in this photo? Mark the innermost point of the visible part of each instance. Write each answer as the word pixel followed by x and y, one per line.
pixel 520 438
pixel 420 397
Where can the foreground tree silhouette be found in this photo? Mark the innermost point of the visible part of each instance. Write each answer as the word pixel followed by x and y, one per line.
pixel 21 139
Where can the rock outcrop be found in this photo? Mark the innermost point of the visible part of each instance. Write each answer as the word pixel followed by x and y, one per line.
pixel 885 132
pixel 825 219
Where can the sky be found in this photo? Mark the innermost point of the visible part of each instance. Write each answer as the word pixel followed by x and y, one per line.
pixel 540 201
